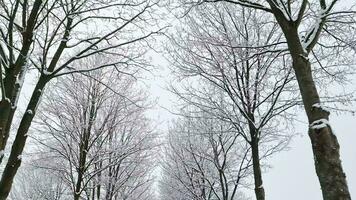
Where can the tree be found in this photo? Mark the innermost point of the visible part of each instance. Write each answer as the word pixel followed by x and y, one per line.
pixel 52 37
pixel 36 183
pixel 224 75
pixel 293 18
pixel 205 159
pixel 98 140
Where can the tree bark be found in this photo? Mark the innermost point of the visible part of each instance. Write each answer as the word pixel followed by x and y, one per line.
pixel 324 142
pixel 5 108
pixel 257 173
pixel 84 142
pixel 84 146
pixel 14 161
pixel 11 87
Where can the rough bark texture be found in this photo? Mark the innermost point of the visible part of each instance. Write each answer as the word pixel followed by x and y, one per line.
pixel 324 143
pixel 11 86
pixel 14 161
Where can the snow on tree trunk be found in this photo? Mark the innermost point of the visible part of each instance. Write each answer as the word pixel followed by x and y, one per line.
pixel 324 142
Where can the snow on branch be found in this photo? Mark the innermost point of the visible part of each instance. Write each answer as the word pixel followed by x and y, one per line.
pixel 314 31
pixel 47 73
pixel 311 35
pixel 245 3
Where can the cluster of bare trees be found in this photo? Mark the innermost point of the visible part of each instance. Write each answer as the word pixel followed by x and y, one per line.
pixel 97 143
pixel 242 69
pixel 204 159
pixel 49 39
pixel 246 64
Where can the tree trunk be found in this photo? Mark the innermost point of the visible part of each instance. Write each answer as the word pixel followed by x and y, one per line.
pixel 82 162
pixel 84 147
pixel 8 108
pixel 11 87
pixel 5 108
pixel 98 186
pixel 109 188
pixel 76 195
pixel 14 161
pixel 324 143
pixel 81 170
pixel 257 174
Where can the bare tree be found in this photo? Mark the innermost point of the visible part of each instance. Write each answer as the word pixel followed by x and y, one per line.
pixel 36 183
pixel 224 75
pixel 98 140
pixel 52 37
pixel 205 159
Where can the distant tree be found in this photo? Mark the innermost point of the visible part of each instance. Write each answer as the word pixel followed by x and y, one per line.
pixel 40 184
pixel 205 159
pixel 232 64
pixel 99 141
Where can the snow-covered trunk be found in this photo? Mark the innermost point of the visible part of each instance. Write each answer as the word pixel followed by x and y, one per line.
pixel 13 82
pixel 14 76
pixel 324 142
pixel 13 87
pixel 14 160
pixel 256 165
